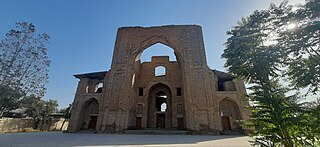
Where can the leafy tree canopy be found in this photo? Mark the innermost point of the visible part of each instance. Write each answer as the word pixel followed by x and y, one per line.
pixel 24 65
pixel 23 60
pixel 39 109
pixel 280 43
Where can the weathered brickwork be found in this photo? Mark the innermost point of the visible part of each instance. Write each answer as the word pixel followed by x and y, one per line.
pixel 131 96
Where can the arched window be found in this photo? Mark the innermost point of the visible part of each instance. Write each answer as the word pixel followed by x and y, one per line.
pixel 160 71
pixel 99 87
pixel 87 89
pixel 133 79
pixel 163 107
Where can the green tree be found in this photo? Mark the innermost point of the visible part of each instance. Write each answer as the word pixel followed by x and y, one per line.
pixel 23 63
pixel 312 120
pixel 301 44
pixel 260 51
pixel 9 99
pixel 40 110
pixel 34 105
pixel 49 107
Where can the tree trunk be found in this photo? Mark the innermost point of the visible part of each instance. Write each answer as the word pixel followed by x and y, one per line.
pixel 2 110
pixel 41 127
pixel 1 114
pixel 36 123
pixel 63 124
pixel 49 125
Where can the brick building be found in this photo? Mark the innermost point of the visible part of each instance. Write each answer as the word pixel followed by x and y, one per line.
pixel 187 95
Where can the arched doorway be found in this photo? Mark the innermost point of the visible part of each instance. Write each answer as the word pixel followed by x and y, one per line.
pixel 159 107
pixel 230 115
pixel 89 114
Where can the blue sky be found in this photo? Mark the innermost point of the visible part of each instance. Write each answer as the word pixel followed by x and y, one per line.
pixel 83 32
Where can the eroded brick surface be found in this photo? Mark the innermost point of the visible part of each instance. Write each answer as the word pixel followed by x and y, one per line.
pixel 197 98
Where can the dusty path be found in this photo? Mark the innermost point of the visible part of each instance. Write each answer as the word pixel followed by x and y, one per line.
pixel 58 139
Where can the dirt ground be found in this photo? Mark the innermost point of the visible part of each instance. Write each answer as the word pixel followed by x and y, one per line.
pixel 59 139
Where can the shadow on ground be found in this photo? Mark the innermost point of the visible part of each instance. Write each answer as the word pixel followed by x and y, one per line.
pixel 57 139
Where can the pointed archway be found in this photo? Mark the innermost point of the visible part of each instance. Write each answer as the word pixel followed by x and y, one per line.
pixel 230 115
pixel 159 107
pixel 89 114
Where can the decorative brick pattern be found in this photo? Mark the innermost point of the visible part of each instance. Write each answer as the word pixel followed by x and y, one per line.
pixel 121 107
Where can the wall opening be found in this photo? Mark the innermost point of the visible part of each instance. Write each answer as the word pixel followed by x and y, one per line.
pixel 87 89
pixel 140 91
pixel 163 107
pixel 160 71
pixel 225 111
pixel 230 115
pixel 133 79
pixel 157 49
pixel 161 101
pixel 179 92
pixel 226 85
pixel 89 114
pixel 98 88
pixel 159 112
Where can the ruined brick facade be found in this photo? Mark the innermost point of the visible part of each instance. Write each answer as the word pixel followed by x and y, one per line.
pixel 129 95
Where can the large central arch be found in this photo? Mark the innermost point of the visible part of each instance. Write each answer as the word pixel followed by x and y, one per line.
pixel 187 43
pixel 154 40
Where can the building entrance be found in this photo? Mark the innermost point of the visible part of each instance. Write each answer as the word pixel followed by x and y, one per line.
pixel 159 107
pixel 161 120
